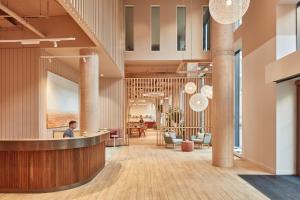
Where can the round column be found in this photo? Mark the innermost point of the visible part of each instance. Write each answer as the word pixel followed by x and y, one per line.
pixel 89 92
pixel 223 88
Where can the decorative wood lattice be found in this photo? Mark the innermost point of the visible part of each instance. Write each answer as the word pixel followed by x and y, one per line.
pixel 169 97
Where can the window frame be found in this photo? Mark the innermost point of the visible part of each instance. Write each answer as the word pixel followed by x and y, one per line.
pixel 209 43
pixel 237 132
pixel 297 31
pixel 155 6
pixel 129 6
pixel 176 32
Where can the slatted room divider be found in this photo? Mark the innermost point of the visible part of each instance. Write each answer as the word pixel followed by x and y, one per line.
pixel 170 93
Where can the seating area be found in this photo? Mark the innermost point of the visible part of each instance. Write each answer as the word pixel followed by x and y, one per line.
pixel 149 99
pixel 201 139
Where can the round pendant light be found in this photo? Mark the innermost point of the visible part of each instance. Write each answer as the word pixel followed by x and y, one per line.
pixel 228 11
pixel 190 88
pixel 207 91
pixel 198 102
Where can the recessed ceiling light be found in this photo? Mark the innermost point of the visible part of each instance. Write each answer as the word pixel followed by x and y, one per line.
pixel 101 75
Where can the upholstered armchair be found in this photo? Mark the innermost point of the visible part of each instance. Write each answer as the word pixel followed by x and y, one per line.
pixel 202 139
pixel 172 139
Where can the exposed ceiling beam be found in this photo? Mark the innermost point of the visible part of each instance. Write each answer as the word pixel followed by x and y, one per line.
pixel 21 20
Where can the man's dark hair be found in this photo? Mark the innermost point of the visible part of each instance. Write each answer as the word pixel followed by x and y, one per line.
pixel 72 122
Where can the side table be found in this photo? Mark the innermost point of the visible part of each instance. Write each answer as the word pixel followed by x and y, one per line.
pixel 187 146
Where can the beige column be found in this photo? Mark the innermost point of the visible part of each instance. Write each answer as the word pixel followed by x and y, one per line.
pixel 222 105
pixel 89 92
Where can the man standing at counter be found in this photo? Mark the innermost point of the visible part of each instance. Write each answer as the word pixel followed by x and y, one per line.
pixel 69 132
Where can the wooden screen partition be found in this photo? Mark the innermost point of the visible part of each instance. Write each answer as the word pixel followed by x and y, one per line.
pixel 172 102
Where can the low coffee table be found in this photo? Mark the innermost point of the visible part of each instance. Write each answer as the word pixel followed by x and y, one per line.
pixel 187 146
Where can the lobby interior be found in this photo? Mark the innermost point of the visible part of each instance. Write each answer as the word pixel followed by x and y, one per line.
pixel 173 99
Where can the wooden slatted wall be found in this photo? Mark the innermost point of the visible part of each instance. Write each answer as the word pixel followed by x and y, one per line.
pixel 112 103
pixel 19 93
pixel 104 18
pixel 171 88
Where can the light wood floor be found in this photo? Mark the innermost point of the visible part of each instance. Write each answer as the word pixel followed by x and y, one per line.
pixel 144 171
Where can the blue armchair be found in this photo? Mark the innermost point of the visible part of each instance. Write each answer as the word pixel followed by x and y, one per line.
pixel 171 138
pixel 202 139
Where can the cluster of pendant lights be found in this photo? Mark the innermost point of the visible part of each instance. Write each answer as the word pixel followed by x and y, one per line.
pixel 228 11
pixel 199 101
pixel 224 12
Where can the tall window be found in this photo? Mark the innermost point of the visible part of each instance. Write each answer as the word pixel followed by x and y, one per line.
pixel 298 25
pixel 206 29
pixel 129 43
pixel 238 92
pixel 181 28
pixel 237 24
pixel 155 28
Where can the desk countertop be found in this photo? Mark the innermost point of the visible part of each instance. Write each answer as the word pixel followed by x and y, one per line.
pixel 53 143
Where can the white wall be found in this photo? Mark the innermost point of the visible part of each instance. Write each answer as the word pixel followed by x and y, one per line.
pixel 285 30
pixel 168 30
pixel 259 108
pixel 286 114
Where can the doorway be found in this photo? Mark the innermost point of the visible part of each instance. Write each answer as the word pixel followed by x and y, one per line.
pixel 142 121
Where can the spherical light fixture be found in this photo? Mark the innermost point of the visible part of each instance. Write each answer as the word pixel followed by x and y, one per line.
pixel 198 102
pixel 228 11
pixel 207 91
pixel 190 88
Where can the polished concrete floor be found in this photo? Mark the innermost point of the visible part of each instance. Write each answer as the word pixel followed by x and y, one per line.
pixel 146 171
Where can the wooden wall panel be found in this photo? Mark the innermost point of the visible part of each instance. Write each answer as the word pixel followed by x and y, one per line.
pixel 104 18
pixel 171 87
pixel 50 170
pixel 112 103
pixel 19 70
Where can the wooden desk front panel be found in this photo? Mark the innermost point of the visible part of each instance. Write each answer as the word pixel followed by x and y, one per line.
pixel 45 171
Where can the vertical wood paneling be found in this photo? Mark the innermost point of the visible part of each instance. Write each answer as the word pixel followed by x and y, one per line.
pixel 112 103
pixel 104 19
pixel 171 87
pixel 19 88
pixel 50 170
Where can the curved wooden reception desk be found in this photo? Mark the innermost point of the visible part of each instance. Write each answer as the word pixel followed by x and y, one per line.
pixel 50 165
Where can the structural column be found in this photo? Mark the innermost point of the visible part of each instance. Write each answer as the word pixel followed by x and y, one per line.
pixel 89 92
pixel 223 86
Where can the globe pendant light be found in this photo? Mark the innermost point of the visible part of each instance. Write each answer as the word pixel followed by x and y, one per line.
pixel 190 88
pixel 228 11
pixel 198 102
pixel 207 91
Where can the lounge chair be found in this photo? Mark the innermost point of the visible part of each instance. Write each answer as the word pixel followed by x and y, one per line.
pixel 172 139
pixel 202 139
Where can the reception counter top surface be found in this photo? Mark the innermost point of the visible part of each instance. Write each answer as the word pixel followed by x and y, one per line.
pixel 52 143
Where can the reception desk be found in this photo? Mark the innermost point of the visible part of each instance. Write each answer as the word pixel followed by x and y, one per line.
pixel 50 165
